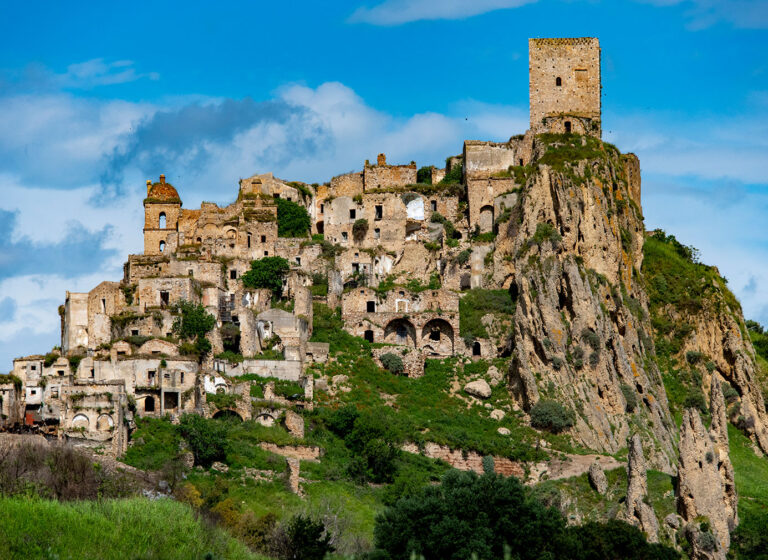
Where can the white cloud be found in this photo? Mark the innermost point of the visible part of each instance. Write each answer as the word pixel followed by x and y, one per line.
pixel 396 12
pixel 701 14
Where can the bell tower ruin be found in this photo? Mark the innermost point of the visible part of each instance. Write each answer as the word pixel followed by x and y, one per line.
pixel 565 85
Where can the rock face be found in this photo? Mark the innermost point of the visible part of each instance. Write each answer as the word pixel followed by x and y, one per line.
pixel 639 512
pixel 701 491
pixel 567 256
pixel 478 388
pixel 597 478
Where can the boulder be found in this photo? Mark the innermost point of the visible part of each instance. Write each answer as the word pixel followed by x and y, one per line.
pixel 219 467
pixel 597 478
pixel 479 388
pixel 339 379
pixel 498 414
pixel 494 376
pixel 503 431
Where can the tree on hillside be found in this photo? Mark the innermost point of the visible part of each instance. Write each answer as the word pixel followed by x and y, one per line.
pixel 479 516
pixel 267 273
pixel 292 219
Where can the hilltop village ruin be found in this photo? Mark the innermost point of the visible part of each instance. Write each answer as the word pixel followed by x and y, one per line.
pixel 392 246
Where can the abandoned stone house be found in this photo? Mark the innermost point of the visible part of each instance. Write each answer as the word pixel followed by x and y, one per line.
pixel 118 353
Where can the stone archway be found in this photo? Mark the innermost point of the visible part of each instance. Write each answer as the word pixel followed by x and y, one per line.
pixel 81 421
pixel 400 331
pixel 485 219
pixel 438 335
pixel 227 414
pixel 104 423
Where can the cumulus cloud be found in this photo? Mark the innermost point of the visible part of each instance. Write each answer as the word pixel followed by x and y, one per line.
pixel 396 12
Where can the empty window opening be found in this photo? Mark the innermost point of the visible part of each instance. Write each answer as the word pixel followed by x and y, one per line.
pixel 433 205
pixel 93 373
pixel 376 233
pixel 233 275
pixel 344 236
pixel 434 335
pixel 151 377
pixel 171 400
pixel 379 212
pixel 149 404
pixel 322 208
pixel 368 336
pixel 55 393
pixel 521 162
pixel 199 239
pixel 355 267
pixel 162 246
pixel 162 220
pixel 266 253
pixel 298 261
pixel 165 298
pixel 249 240
pixel 60 372
pixel 103 305
pixel 134 332
pixel 558 81
pixel 320 227
pixel 288 199
pixel 263 238
pixel 402 333
pixel 352 214
pixel 190 272
pixel 476 349
pixel 181 378
pixel 370 307
pixel 567 127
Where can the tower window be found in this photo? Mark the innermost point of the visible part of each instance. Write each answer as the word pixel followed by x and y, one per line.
pixel 558 81
pixel 263 238
pixel 162 246
pixel 379 212
pixel 162 220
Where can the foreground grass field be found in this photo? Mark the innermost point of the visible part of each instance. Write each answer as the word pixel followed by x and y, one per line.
pixel 110 530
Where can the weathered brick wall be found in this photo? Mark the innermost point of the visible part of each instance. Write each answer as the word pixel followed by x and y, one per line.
pixel 349 184
pixel 576 63
pixel 481 194
pixel 153 235
pixel 382 176
pixel 178 289
pixel 483 159
pixel 74 331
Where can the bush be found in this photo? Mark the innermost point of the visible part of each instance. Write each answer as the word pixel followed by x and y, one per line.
pixel 304 539
pixel 729 393
pixel 478 302
pixel 630 396
pixel 545 232
pixel 551 416
pixel 591 338
pixel 693 357
pixel 360 228
pixel 463 257
pixel 194 321
pixel 392 363
pixel 207 438
pixel 695 399
pixel 268 273
pixel 424 175
pixel 292 219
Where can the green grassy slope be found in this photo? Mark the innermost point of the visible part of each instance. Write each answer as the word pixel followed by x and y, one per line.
pixel 110 530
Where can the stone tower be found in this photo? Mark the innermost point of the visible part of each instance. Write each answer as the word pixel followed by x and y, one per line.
pixel 161 217
pixel 565 85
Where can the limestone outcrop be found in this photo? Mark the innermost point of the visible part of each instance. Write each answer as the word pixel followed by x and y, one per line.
pixel 702 492
pixel 569 255
pixel 638 511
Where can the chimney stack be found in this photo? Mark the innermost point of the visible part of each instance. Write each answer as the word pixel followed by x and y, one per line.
pixel 162 179
pixel 381 160
pixel 149 186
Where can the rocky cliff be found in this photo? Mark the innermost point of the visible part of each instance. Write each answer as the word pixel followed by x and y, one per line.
pixel 571 254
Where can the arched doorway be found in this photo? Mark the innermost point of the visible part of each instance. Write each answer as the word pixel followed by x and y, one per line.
pixel 400 331
pixel 149 404
pixel 438 335
pixel 227 414
pixel 485 220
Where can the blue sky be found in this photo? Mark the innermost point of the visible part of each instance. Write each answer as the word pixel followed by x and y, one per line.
pixel 97 97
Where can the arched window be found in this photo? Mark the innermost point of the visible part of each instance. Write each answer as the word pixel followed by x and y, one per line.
pixel 558 81
pixel 476 349
pixel 162 246
pixel 149 404
pixel 162 220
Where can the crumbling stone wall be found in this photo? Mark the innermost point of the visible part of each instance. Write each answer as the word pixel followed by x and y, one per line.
pixel 382 176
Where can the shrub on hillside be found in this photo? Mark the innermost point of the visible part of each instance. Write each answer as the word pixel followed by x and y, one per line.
pixel 268 273
pixel 630 396
pixel 206 437
pixel 301 538
pixel 393 363
pixel 292 219
pixel 551 416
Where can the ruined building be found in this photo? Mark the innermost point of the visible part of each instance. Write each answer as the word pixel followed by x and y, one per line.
pixel 395 249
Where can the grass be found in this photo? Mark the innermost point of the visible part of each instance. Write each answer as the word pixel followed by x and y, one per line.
pixel 156 441
pixel 478 302
pixel 751 474
pixel 110 529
